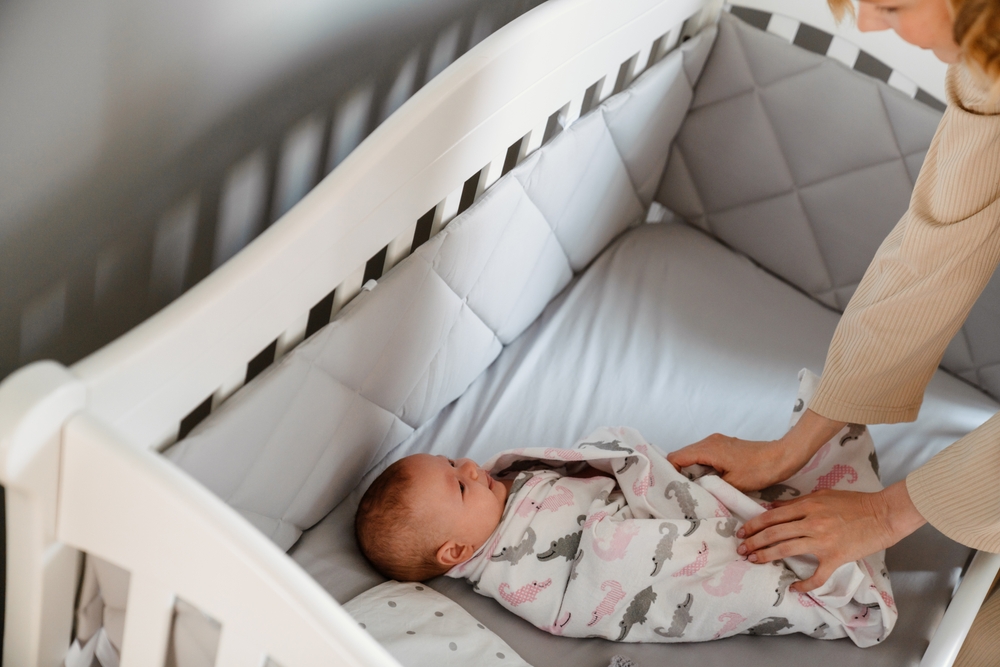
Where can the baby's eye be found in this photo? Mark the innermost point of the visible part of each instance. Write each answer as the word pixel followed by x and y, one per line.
pixel 887 10
pixel 461 487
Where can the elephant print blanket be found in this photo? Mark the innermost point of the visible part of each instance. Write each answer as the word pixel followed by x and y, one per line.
pixel 608 540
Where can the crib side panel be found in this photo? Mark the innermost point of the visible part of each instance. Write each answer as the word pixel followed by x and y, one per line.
pixel 130 507
pixel 502 96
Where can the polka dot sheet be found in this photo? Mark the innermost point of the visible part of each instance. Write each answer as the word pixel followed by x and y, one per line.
pixel 422 628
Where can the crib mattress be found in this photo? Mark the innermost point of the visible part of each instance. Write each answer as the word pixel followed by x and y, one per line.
pixel 672 333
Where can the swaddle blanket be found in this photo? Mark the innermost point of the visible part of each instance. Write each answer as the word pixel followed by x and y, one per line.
pixel 645 553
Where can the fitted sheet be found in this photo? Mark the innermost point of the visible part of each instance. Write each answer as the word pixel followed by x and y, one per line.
pixel 672 333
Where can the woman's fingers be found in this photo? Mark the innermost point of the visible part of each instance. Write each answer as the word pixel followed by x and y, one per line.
pixel 771 536
pixel 688 456
pixel 704 452
pixel 747 465
pixel 822 573
pixel 786 549
pixel 769 518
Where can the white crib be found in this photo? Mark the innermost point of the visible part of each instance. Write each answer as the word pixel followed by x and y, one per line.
pixel 79 446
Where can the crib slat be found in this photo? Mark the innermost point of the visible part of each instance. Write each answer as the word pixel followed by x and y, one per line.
pixel 229 387
pixel 264 358
pixel 292 336
pixel 194 417
pixel 148 618
pixel 349 125
pixel 642 61
pixel 319 315
pixel 300 153
pixel 534 138
pixel 348 289
pixel 669 41
pixel 172 244
pixel 446 210
pixel 470 190
pixel 422 232
pixel 573 110
pixel 491 173
pixel 603 88
pixel 399 248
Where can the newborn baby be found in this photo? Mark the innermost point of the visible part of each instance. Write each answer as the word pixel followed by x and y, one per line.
pixel 608 540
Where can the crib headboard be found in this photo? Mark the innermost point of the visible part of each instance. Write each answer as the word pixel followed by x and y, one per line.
pixel 494 106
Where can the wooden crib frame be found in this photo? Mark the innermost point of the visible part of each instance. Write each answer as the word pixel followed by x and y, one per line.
pixel 79 447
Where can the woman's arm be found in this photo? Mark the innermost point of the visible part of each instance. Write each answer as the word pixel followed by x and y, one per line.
pixel 752 465
pixel 835 526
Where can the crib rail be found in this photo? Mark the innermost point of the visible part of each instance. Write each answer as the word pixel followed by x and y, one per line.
pixel 430 160
pixel 194 547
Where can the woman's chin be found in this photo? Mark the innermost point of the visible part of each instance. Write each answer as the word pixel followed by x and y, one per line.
pixel 948 54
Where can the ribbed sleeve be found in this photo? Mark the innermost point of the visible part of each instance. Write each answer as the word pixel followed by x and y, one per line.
pixel 982 646
pixel 927 273
pixel 958 491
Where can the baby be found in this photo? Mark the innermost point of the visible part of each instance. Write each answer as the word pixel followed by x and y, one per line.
pixel 426 514
pixel 608 540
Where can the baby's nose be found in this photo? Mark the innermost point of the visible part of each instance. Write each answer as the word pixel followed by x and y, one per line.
pixel 470 468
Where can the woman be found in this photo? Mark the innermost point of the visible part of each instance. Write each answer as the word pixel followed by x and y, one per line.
pixel 914 297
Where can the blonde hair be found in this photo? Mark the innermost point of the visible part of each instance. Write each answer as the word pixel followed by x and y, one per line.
pixel 385 527
pixel 977 32
pixel 976 29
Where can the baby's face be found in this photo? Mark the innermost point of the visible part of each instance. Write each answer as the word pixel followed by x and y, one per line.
pixel 458 499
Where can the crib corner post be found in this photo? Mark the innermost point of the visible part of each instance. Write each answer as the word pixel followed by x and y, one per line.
pixel 42 573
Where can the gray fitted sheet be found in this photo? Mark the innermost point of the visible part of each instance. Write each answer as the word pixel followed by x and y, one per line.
pixel 672 333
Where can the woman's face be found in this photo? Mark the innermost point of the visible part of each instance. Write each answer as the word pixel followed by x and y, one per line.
pixel 923 23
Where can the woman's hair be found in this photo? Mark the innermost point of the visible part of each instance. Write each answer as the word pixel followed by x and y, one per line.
pixel 976 30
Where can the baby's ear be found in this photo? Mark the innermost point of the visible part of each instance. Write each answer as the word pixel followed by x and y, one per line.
pixel 451 553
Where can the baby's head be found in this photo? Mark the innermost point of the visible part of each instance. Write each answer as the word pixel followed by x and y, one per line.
pixel 425 514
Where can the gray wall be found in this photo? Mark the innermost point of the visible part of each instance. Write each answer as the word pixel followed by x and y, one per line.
pixel 143 142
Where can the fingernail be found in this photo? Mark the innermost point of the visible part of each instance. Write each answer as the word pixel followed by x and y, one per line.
pixel 741 533
pixel 742 549
pixel 752 558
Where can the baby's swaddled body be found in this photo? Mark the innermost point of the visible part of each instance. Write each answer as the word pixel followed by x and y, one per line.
pixel 642 553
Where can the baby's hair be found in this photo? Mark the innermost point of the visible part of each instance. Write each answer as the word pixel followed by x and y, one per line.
pixel 385 529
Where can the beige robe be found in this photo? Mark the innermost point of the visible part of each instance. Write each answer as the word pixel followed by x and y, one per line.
pixel 913 299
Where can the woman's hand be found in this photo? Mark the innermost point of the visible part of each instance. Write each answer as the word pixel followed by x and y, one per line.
pixel 753 465
pixel 748 465
pixel 835 526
